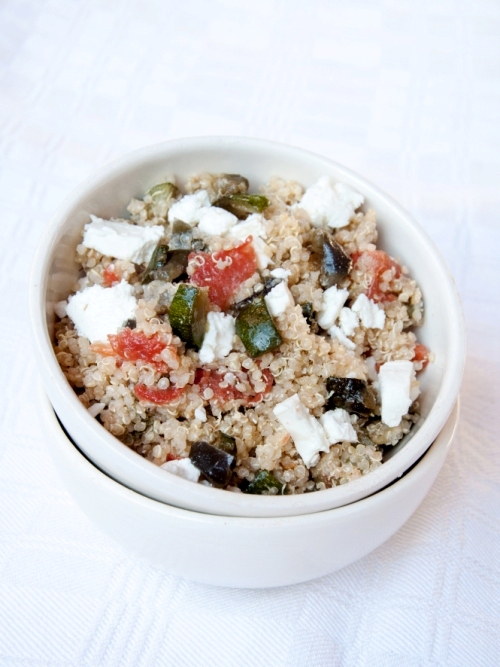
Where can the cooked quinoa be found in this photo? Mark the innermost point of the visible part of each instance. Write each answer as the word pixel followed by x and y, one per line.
pixel 236 393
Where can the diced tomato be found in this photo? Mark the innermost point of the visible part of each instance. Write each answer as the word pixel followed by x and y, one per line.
pixel 223 272
pixel 133 345
pixel 212 380
pixel 421 354
pixel 269 380
pixel 109 276
pixel 157 395
pixel 377 262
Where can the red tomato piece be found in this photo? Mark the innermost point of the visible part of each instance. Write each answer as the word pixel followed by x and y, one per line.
pixel 269 380
pixel 377 262
pixel 421 354
pixel 212 380
pixel 223 272
pixel 109 276
pixel 157 395
pixel 134 345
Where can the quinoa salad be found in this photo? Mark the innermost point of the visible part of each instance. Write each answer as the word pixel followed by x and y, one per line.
pixel 258 342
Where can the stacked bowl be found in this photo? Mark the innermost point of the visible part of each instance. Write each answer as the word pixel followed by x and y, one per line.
pixel 204 533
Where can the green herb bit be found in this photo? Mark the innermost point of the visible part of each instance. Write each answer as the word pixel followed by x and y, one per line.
pixel 242 205
pixel 188 313
pixel 263 482
pixel 227 444
pixel 256 328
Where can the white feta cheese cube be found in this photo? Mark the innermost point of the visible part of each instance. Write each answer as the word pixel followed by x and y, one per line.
pixel 95 409
pixel 216 221
pixel 348 321
pixel 60 309
pixel 284 274
pixel 254 226
pixel 307 433
pixel 330 205
pixel 395 380
pixel 336 332
pixel 218 340
pixel 200 413
pixel 122 240
pixel 338 427
pixel 98 311
pixel 190 208
pixel 183 468
pixel 333 300
pixel 371 315
pixel 279 299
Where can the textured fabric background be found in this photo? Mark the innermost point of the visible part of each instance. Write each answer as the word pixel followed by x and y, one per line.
pixel 406 93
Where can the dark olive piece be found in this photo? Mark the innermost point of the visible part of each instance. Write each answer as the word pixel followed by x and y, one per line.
pixel 351 394
pixel 335 264
pixel 228 444
pixel 215 464
pixel 263 481
pixel 130 324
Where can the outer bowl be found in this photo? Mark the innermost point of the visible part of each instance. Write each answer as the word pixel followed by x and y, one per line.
pixel 241 552
pixel 108 193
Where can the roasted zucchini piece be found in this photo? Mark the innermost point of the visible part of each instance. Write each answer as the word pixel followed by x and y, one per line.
pixel 263 481
pixel 188 313
pixel 230 184
pixel 256 328
pixel 166 265
pixel 227 443
pixel 162 197
pixel 242 205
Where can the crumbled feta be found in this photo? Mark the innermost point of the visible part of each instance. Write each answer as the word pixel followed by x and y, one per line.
pixel 98 311
pixel 336 332
pixel 60 309
pixel 330 205
pixel 338 427
pixel 279 299
pixel 96 409
pixel 200 413
pixel 395 379
pixel 183 468
pixel 190 208
pixel 284 274
pixel 122 240
pixel 216 221
pixel 254 226
pixel 333 300
pixel 307 433
pixel 218 340
pixel 348 321
pixel 371 315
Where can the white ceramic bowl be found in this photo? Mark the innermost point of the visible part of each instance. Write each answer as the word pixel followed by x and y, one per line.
pixel 239 551
pixel 108 193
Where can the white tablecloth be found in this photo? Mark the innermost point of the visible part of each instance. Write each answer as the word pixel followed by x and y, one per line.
pixel 406 93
